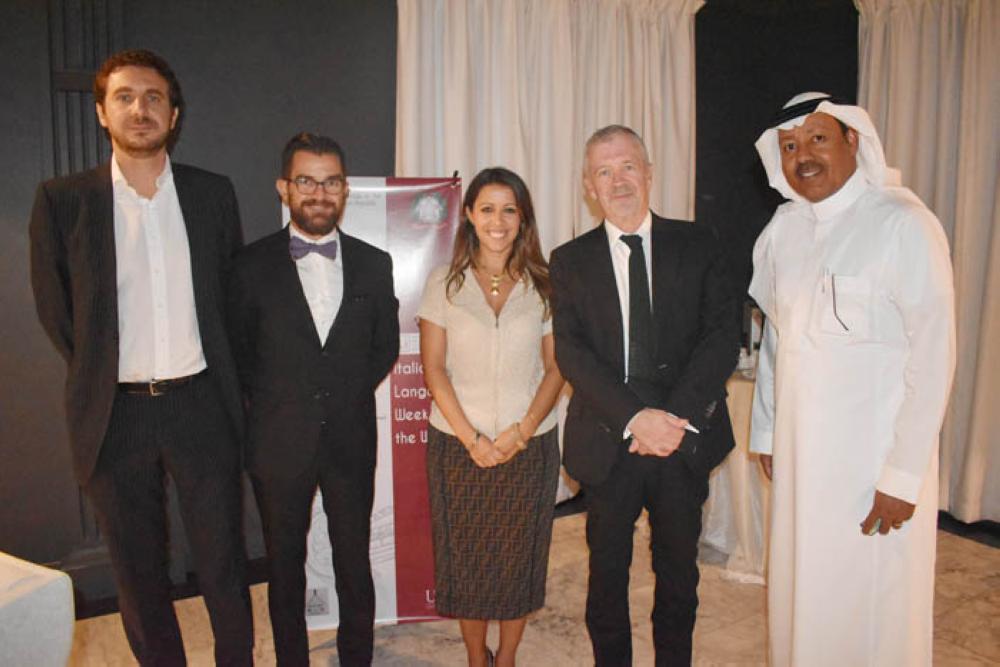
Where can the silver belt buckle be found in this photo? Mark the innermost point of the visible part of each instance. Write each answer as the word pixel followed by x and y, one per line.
pixel 153 391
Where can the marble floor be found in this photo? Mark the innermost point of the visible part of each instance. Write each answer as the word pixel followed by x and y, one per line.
pixel 730 630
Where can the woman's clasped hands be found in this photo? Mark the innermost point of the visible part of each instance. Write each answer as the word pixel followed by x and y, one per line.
pixel 487 452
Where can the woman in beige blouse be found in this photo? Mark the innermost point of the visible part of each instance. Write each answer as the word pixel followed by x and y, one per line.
pixel 493 456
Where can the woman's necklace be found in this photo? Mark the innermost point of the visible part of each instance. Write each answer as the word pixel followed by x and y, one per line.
pixel 496 280
pixel 495 284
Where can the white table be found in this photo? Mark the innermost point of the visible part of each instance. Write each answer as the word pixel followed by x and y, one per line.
pixel 735 517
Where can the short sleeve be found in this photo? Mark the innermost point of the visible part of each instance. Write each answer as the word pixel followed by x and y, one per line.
pixel 434 301
pixel 546 311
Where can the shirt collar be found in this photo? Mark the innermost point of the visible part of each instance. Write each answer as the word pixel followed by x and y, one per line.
pixel 121 185
pixel 842 199
pixel 645 230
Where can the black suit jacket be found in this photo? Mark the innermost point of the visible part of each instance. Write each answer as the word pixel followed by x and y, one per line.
pixel 300 394
pixel 694 311
pixel 73 274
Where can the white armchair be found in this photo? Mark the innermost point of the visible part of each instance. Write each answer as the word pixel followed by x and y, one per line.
pixel 36 614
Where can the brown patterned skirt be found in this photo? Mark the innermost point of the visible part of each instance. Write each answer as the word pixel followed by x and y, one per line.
pixel 492 527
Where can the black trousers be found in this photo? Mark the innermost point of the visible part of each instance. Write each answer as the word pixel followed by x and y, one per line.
pixel 286 513
pixel 186 434
pixel 673 495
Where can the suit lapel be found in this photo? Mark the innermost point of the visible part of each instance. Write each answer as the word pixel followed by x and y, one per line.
pixel 667 251
pixel 101 228
pixel 289 288
pixel 198 227
pixel 350 282
pixel 603 288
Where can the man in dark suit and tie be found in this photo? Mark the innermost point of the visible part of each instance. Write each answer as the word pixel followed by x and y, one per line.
pixel 315 329
pixel 128 266
pixel 645 329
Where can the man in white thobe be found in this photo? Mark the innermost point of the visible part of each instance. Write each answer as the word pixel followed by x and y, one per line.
pixel 854 277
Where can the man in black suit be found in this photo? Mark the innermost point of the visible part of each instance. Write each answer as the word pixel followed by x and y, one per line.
pixel 647 352
pixel 315 329
pixel 128 265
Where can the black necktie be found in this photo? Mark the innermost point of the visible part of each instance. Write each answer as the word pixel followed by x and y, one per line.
pixel 640 314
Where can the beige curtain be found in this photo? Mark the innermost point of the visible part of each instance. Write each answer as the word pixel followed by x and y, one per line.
pixel 928 74
pixel 523 83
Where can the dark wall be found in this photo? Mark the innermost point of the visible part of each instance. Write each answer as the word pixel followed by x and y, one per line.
pixel 39 515
pixel 752 56
pixel 253 72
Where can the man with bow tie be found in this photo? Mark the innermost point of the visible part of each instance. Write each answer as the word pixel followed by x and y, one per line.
pixel 314 327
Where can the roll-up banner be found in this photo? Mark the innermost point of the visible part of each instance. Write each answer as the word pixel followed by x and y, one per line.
pixel 414 219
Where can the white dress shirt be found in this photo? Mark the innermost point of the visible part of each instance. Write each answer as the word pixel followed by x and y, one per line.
pixel 158 335
pixel 322 282
pixel 620 253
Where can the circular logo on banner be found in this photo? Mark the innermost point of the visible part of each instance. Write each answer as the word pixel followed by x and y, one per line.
pixel 429 209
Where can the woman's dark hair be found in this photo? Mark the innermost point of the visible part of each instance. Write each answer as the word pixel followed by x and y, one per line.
pixel 525 261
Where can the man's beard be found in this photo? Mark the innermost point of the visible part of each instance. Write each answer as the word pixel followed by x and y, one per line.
pixel 317 223
pixel 153 142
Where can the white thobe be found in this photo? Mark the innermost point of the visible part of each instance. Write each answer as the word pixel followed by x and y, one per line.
pixel 853 381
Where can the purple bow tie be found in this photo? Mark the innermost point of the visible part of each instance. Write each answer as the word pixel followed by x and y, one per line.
pixel 299 248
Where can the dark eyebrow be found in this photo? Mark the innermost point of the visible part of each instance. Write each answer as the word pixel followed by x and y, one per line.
pixel 130 89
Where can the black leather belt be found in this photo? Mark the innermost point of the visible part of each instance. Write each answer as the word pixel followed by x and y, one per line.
pixel 157 387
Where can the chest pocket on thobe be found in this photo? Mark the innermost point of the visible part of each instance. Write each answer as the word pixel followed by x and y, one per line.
pixel 845 306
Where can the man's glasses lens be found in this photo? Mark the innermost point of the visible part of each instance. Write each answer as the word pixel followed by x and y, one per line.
pixel 306 185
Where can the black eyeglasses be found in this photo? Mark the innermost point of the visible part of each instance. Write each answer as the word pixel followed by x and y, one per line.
pixel 307 185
